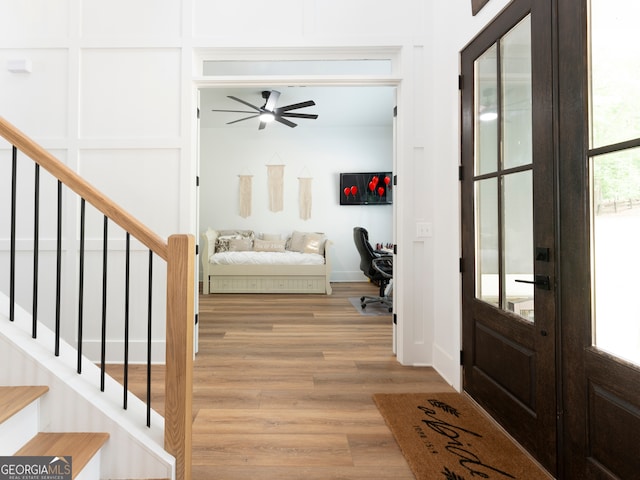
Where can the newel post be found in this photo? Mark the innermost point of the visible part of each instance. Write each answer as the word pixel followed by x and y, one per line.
pixel 179 354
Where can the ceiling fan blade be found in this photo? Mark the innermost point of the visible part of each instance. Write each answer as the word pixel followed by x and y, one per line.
pixel 270 105
pixel 241 119
pixel 232 111
pixel 312 116
pixel 286 122
pixel 308 103
pixel 243 102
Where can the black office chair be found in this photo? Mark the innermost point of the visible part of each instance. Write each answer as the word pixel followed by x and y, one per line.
pixel 377 267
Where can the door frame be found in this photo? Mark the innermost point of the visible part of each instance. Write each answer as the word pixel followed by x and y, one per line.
pixel 401 333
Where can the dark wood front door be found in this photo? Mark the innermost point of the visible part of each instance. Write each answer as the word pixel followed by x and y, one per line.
pixel 551 198
pixel 508 234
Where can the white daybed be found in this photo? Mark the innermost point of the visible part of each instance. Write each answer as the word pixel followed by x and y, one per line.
pixel 240 261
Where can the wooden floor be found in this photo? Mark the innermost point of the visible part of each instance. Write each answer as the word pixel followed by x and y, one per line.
pixel 283 385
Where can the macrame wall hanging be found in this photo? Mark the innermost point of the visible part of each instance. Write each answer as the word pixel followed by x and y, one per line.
pixel 304 194
pixel 275 176
pixel 245 195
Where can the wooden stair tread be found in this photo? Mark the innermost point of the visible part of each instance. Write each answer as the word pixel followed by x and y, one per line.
pixel 81 446
pixel 14 399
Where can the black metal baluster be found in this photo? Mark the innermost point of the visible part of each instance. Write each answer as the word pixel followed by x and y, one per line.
pixel 81 281
pixel 58 270
pixel 126 320
pixel 149 304
pixel 103 346
pixel 12 254
pixel 36 248
pixel 81 284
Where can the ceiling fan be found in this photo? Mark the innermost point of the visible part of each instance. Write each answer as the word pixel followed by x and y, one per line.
pixel 269 112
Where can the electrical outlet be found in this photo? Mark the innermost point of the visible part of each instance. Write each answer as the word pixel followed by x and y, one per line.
pixel 423 229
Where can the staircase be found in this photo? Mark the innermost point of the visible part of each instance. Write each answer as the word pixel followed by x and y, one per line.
pixel 20 424
pixel 81 396
pixel 72 403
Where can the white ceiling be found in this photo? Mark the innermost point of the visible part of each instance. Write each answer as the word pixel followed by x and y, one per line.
pixel 335 106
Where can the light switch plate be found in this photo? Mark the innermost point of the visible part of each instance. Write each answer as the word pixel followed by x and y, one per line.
pixel 423 229
pixel 19 65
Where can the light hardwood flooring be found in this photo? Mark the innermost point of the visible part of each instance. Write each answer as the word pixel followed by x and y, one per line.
pixel 283 388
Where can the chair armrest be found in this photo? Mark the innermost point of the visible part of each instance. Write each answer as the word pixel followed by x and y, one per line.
pixel 383 265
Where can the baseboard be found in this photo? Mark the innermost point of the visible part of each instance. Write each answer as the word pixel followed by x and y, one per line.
pixel 447 366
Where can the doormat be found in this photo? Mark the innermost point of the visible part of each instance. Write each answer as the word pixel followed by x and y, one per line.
pixel 443 436
pixel 370 309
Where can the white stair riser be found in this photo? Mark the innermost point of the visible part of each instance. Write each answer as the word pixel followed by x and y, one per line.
pixel 103 411
pixel 20 428
pixel 91 470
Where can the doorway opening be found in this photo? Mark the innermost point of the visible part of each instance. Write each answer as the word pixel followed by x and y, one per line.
pixel 345 92
pixel 353 133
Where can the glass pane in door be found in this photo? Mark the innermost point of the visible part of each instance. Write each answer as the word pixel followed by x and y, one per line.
pixel 515 55
pixel 487 241
pixel 616 253
pixel 503 167
pixel 518 243
pixel 486 111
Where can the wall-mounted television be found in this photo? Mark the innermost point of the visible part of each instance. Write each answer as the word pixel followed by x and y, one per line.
pixel 371 188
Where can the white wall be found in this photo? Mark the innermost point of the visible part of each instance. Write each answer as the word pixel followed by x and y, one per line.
pixel 453 21
pixel 108 103
pixel 118 104
pixel 321 153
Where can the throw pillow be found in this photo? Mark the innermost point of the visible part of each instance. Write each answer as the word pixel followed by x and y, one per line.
pixel 271 237
pixel 307 242
pixel 296 244
pixel 240 245
pixel 224 236
pixel 268 246
pixel 313 243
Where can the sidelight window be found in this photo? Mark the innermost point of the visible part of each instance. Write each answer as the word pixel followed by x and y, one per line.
pixel 614 166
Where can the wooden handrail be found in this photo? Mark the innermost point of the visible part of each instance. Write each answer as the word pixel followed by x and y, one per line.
pixel 179 253
pixel 80 186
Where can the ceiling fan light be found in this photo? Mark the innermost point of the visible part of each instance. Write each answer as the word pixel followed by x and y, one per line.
pixel 267 117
